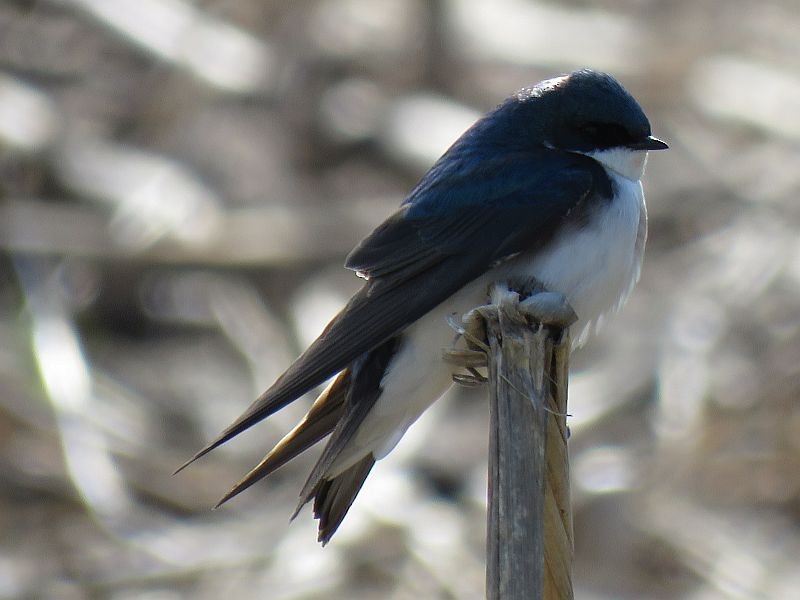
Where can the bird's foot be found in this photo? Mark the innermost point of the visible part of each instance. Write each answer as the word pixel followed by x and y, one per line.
pixel 531 303
pixel 471 328
pixel 538 307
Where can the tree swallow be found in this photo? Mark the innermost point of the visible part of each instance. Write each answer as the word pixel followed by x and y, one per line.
pixel 546 187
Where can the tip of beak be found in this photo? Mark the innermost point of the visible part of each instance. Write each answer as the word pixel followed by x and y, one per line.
pixel 648 143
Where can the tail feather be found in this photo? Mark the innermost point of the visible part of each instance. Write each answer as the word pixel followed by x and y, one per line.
pixel 334 497
pixel 321 420
pixel 367 373
pixel 334 490
pixel 343 467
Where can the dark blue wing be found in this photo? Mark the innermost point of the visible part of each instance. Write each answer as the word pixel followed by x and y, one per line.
pixel 466 214
pixel 487 209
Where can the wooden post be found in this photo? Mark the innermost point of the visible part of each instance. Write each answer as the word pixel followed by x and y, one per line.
pixel 529 531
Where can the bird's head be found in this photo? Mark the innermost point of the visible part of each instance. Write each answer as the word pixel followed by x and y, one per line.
pixel 586 112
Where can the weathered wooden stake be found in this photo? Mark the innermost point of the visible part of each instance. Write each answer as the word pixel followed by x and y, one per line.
pixel 529 533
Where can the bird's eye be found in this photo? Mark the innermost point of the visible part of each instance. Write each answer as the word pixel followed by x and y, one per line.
pixel 605 135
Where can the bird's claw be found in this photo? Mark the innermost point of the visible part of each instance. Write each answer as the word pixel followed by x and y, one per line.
pixel 473 379
pixel 464 358
pixel 471 327
pixel 540 308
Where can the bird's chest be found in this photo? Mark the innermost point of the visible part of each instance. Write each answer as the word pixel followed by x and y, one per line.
pixel 595 262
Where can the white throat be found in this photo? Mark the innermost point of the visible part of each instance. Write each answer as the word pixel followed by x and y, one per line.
pixel 623 161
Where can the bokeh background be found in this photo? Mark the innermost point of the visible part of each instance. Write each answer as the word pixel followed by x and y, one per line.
pixel 179 183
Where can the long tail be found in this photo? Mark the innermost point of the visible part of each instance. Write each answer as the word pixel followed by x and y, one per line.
pixel 340 410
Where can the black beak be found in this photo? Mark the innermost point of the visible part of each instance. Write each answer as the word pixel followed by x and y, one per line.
pixel 648 143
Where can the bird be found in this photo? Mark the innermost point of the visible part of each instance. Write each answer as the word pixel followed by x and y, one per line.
pixel 545 187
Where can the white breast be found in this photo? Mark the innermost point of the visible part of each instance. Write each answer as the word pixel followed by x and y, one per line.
pixel 595 265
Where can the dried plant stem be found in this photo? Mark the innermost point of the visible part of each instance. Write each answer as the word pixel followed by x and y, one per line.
pixel 529 536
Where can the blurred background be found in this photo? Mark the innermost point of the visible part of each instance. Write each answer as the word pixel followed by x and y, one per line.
pixel 180 181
